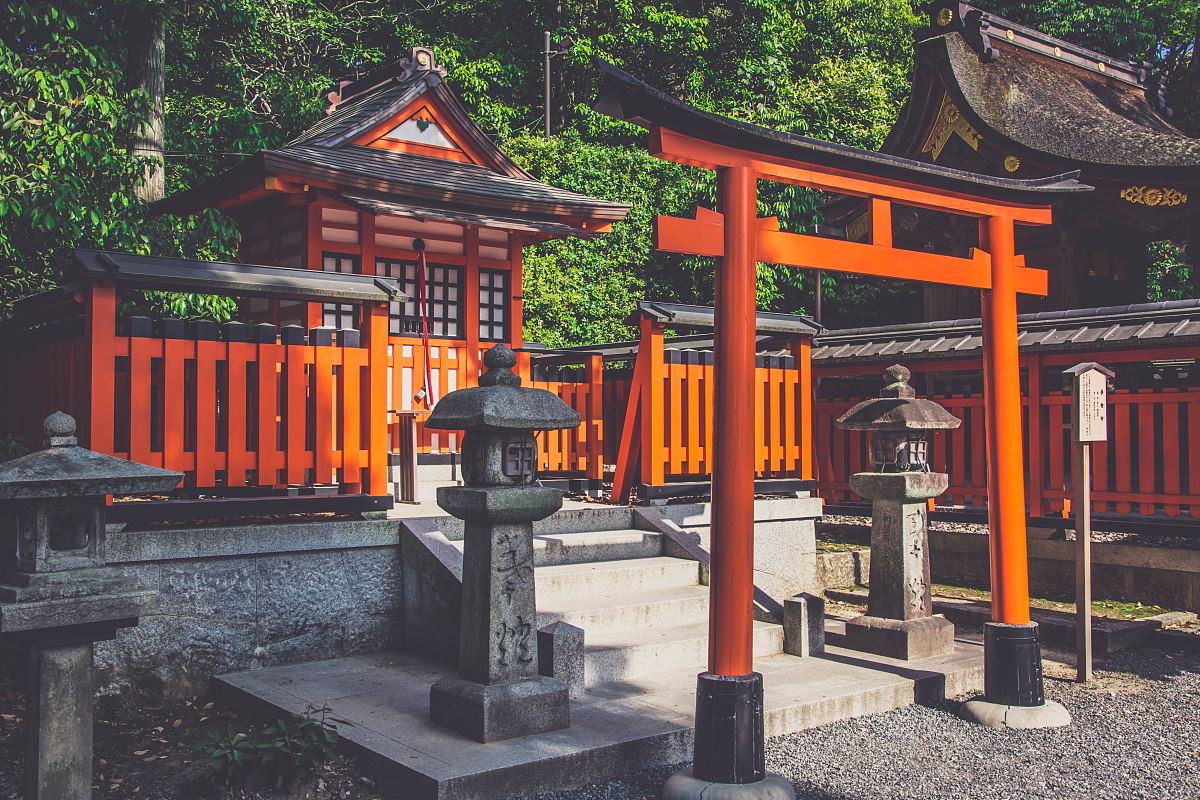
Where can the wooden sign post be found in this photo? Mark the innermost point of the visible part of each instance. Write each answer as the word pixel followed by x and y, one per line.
pixel 1089 423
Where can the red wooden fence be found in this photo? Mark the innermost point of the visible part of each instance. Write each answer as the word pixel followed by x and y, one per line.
pixel 1149 466
pixel 233 406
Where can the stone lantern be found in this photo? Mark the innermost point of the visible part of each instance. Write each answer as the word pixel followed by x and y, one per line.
pixel 899 622
pixel 57 597
pixel 498 693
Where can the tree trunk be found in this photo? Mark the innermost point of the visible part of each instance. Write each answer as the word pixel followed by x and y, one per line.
pixel 145 71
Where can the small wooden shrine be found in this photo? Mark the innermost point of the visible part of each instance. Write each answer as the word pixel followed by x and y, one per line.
pixel 396 164
pixel 994 97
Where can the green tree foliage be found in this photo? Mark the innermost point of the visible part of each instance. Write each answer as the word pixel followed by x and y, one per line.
pixel 248 74
pixel 1169 276
pixel 65 178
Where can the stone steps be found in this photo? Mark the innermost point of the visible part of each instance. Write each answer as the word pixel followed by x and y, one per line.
pixel 566 581
pixel 591 546
pixel 632 653
pixel 656 607
pixel 640 616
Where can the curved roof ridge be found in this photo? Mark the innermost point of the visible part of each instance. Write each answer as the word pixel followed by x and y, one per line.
pixel 625 97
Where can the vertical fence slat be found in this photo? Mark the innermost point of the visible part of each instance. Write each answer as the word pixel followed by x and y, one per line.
pixel 1170 454
pixel 1123 449
pixel 208 460
pixel 238 458
pixel 175 353
pixel 1146 449
pixel 325 456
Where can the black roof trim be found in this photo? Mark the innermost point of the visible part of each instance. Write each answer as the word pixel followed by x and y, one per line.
pixel 383 205
pixel 625 97
pixel 765 322
pixel 243 280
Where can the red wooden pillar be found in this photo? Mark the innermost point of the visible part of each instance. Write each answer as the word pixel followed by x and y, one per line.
pixel 1012 656
pixel 101 334
pixel 732 583
pixel 595 418
pixel 1010 578
pixel 653 411
pixel 729 697
pixel 375 340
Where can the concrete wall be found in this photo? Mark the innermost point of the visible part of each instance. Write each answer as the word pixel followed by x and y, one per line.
pixel 234 597
pixel 1169 577
pixel 785 541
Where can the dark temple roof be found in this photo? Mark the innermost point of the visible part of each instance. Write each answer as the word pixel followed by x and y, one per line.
pixel 325 153
pixel 434 179
pixel 625 97
pixel 1165 324
pixel 243 280
pixel 1051 96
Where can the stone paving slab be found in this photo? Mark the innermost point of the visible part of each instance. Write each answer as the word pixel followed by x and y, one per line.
pixel 616 728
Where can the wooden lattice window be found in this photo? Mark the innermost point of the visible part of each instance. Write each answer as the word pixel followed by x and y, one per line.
pixel 443 288
pixel 340 315
pixel 493 305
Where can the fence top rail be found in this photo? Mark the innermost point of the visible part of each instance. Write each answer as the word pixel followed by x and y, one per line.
pixel 767 344
pixel 1165 324
pixel 243 280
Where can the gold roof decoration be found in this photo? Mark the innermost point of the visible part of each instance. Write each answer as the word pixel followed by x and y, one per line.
pixel 949 121
pixel 1153 196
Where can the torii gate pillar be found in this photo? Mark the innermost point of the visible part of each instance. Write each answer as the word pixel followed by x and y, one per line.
pixel 729 744
pixel 1013 694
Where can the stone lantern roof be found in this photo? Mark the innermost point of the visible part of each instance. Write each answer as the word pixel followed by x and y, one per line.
pixel 501 402
pixel 897 409
pixel 64 469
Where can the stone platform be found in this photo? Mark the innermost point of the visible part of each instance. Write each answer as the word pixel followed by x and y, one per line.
pixel 616 728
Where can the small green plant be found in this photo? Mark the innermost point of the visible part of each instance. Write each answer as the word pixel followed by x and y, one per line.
pixel 12 447
pixel 273 753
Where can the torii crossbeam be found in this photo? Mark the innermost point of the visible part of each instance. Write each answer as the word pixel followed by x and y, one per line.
pixel 743 154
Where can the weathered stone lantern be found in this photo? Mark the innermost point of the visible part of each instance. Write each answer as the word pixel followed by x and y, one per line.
pixel 498 693
pixel 899 621
pixel 57 597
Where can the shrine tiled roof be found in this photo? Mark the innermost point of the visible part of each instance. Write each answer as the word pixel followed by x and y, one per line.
pixel 1168 323
pixel 1054 97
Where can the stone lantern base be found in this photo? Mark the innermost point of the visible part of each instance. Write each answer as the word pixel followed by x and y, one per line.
pixel 502 710
pixel 909 639
pixel 899 622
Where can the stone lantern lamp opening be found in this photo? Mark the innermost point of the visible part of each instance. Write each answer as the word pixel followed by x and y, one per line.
pixel 57 596
pixel 899 622
pixel 498 693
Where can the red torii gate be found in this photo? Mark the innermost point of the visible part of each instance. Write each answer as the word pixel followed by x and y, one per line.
pixel 729 695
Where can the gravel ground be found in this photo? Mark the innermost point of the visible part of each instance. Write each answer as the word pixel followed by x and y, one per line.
pixel 1136 734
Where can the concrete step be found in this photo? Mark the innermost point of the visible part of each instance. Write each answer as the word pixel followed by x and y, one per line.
pixel 556 583
pixel 682 605
pixel 586 546
pixel 626 654
pixel 579 548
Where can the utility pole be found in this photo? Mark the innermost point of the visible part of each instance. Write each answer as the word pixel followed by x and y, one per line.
pixel 546 54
